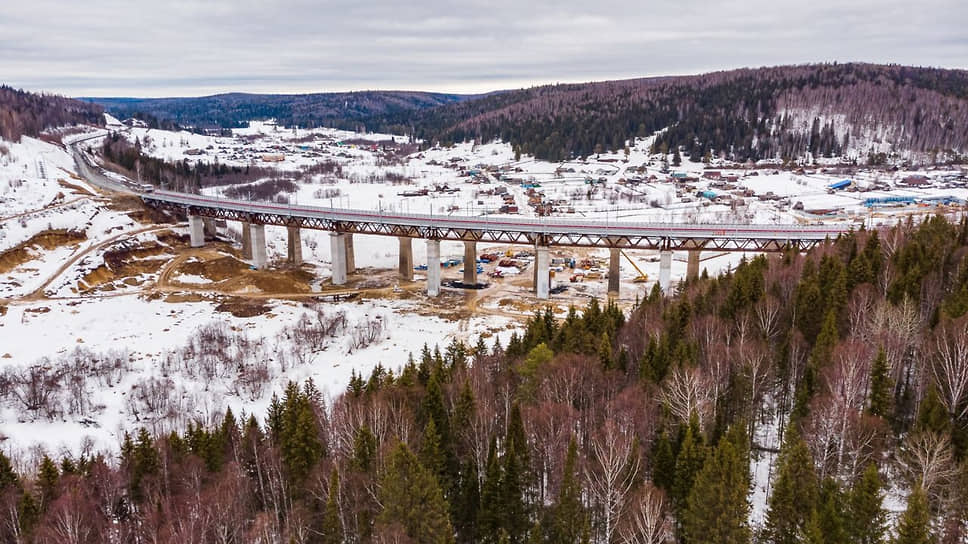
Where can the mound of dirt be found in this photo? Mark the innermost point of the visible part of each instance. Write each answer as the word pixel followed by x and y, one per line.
pixel 48 239
pixel 124 264
pixel 242 307
pixel 231 275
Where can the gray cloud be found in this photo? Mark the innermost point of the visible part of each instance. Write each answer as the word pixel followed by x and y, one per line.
pixel 194 47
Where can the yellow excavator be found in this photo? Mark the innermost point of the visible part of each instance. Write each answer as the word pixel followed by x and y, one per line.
pixel 642 277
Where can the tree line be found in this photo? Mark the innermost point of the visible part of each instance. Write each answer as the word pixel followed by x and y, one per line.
pixel 650 426
pixel 741 115
pixel 24 113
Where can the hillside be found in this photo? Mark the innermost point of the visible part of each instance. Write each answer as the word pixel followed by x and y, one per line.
pixel 28 114
pixel 780 112
pixel 341 110
pixel 823 393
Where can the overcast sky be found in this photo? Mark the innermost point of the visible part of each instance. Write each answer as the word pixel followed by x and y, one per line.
pixel 199 47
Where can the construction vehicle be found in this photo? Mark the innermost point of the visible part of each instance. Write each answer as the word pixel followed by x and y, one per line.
pixel 642 277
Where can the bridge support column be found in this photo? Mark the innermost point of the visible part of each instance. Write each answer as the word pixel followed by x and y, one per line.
pixel 665 270
pixel 542 282
pixel 196 231
pixel 470 263
pixel 246 240
pixel 692 264
pixel 614 277
pixel 350 254
pixel 294 255
pixel 209 228
pixel 337 246
pixel 258 233
pixel 433 267
pixel 406 258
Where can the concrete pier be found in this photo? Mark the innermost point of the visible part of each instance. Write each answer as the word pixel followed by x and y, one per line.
pixel 470 263
pixel 210 230
pixel 350 254
pixel 542 277
pixel 246 240
pixel 433 267
pixel 196 231
pixel 294 255
pixel 692 264
pixel 406 258
pixel 337 245
pixel 258 233
pixel 614 265
pixel 665 270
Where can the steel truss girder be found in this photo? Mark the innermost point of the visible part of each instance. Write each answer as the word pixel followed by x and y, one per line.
pixel 486 233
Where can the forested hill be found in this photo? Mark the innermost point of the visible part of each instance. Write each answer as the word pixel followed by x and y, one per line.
pixel 24 113
pixel 778 112
pixel 341 110
pixel 818 398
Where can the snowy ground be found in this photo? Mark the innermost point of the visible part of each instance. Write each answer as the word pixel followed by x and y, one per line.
pixel 138 330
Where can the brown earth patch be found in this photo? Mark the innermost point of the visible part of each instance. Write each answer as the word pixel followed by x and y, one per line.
pixel 124 264
pixel 3 310
pixel 242 307
pixel 175 298
pixel 76 188
pixel 49 239
pixel 231 275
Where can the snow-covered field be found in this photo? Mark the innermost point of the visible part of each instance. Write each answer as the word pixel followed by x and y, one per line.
pixel 142 341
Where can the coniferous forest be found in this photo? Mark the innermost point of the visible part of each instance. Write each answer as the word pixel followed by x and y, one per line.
pixel 748 114
pixel 28 114
pixel 602 426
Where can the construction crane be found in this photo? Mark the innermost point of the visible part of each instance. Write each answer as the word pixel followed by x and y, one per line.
pixel 642 277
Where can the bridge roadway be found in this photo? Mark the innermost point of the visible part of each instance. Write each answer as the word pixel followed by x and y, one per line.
pixel 539 232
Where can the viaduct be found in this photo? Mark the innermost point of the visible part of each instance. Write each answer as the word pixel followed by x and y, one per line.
pixel 541 233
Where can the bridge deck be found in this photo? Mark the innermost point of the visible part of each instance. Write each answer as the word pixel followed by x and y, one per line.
pixel 524 230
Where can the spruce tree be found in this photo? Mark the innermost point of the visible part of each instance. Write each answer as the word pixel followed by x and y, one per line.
pixel 299 441
pixel 794 495
pixel 491 516
pixel 8 478
pixel 332 525
pixel 830 513
pixel 865 524
pixel 413 500
pixel 568 523
pixel 663 463
pixel 881 388
pixel 914 526
pixel 468 505
pixel 717 511
pixel 689 462
pixel 47 479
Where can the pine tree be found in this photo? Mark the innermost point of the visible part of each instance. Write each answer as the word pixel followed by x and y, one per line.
pixel 299 441
pixel 794 495
pixel 515 519
pixel 865 524
pixel 8 478
pixel 491 516
pixel 663 463
pixel 468 505
pixel 431 455
pixel 412 499
pixel 914 526
pixel 881 388
pixel 364 449
pixel 605 352
pixel 932 415
pixel 716 510
pixel 568 522
pixel 332 525
pixel 47 479
pixel 692 454
pixel 830 513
